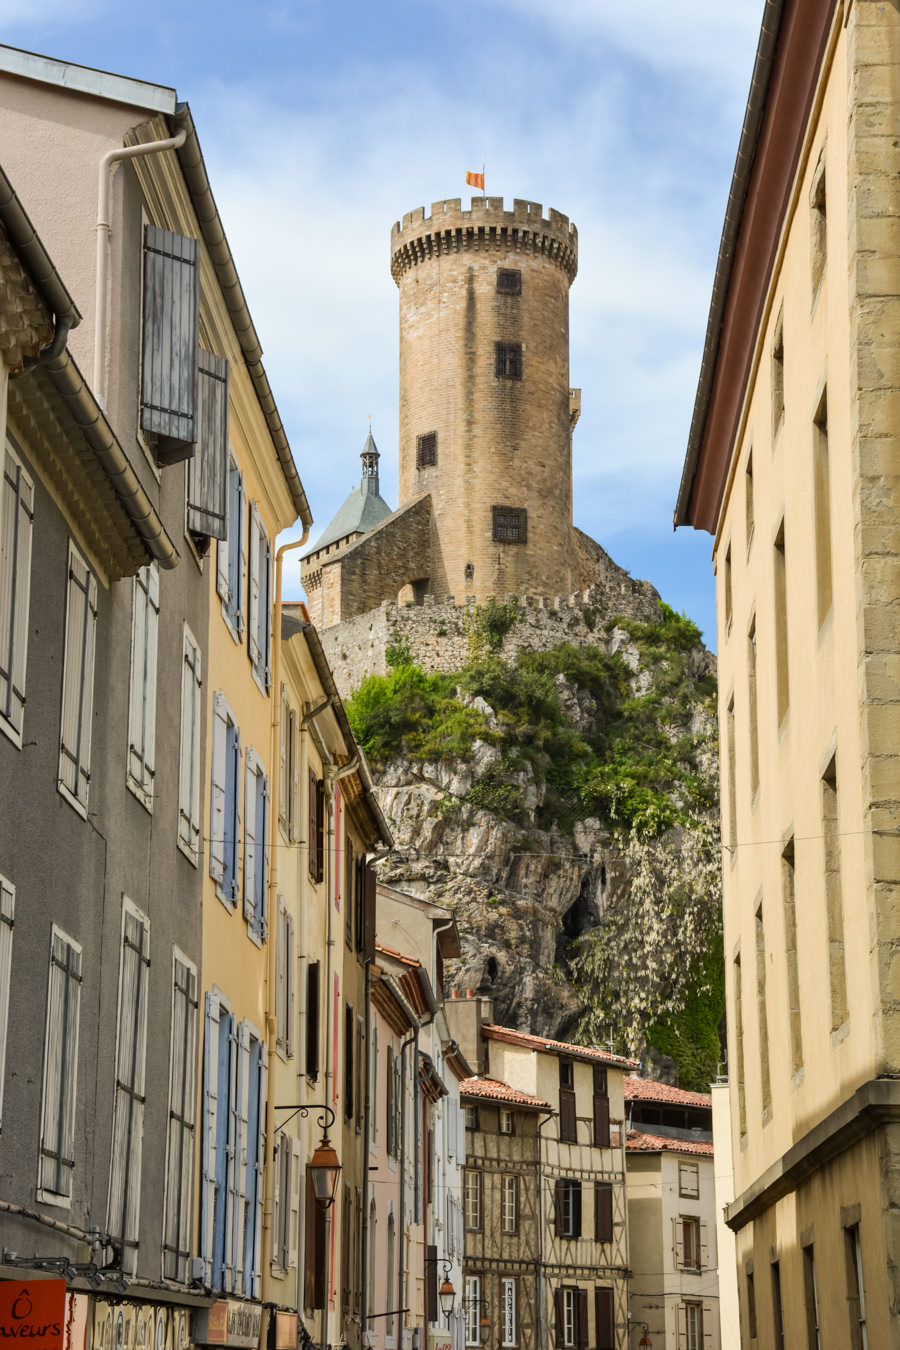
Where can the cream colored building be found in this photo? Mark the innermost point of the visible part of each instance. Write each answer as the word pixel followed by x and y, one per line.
pixel 792 466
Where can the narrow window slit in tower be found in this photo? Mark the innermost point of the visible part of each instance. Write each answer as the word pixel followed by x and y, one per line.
pixel 426 450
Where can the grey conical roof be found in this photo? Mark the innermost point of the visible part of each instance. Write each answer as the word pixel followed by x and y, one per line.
pixel 363 509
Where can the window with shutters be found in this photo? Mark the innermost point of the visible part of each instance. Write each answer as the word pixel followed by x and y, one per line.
pixel 234 1077
pixel 605 1317
pixel 284 981
pixel 259 624
pixel 57 1142
pixel 393 1138
pixel 231 565
pixel 509 524
pixel 570 1315
pixel 349 890
pixel 360 920
pixel 289 768
pixel 314 1250
pixel 286 1203
pixel 690 1243
pixel 142 684
pixel 689 1180
pixel 78 682
pixel 426 450
pixel 568 1207
pixel 16 528
pixel 390 1327
pixel 7 921
pixel 256 807
pixel 508 1311
pixel 349 1028
pixel 506 1122
pixel 509 1204
pixel 346 1230
pixel 178 1219
pixel 751 1301
pixel 568 1125
pixel 373 1088
pixel 472 1308
pixel 123 1213
pixel 315 827
pixel 601 1108
pixel 689 1319
pixel 509 281
pixel 313 995
pixel 189 767
pixel 508 360
pixel 360 1072
pixel 207 476
pixel 603 1211
pixel 811 1298
pixel 472 1199
pixel 225 818
pixel 169 411
pixel 856 1289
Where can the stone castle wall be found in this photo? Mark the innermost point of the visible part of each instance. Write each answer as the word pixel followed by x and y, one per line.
pixel 437 632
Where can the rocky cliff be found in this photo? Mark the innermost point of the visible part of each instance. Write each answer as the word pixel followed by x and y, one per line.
pixel 561 797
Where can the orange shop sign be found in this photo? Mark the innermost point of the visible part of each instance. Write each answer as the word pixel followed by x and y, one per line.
pixel 33 1313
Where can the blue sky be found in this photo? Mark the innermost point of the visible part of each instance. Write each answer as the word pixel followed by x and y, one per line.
pixel 322 123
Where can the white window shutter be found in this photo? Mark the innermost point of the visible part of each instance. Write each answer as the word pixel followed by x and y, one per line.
pixel 681 1324
pixel 265 598
pixel 136 691
pixel 281 977
pixel 235 1217
pixel 260 870
pixel 210 1116
pixel 282 1145
pixel 708 1316
pixel 57 1148
pixel 283 784
pixel 452 1128
pixel 152 655
pixel 189 768
pixel 678 1243
pixel 291 971
pixel 704 1246
pixel 218 825
pixel 78 678
pixel 293 1251
pixel 7 920
pixel 16 527
pixel 256 1183
pixel 222 548
pixel 241 555
pixel 250 834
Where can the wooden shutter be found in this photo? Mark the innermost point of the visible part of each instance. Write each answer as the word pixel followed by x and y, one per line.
pixel 128 1109
pixel 281 978
pixel 57 1160
pixel 581 1318
pixel 7 921
pixel 142 684
pixel 258 1101
pixel 559 1208
pixel 320 829
pixel 431 1286
pixel 314 1250
pixel 704 1262
pixel 293 1242
pixel 169 353
pixel 681 1326
pixel 312 825
pixel 210 1115
pixel 559 1316
pixel 708 1323
pixel 78 678
pixel 207 504
pixel 678 1243
pixel 604 1314
pixel 260 873
pixel 601 1108
pixel 189 769
pixel 603 1211
pixel 349 1029
pixel 16 528
pixel 290 979
pixel 218 822
pixel 568 1126
pixel 369 903
pixel 313 994
pixel 294 762
pixel 257 536
pixel 576 1208
pixel 180 1143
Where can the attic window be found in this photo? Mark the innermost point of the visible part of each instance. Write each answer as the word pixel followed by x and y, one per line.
pixel 509 281
pixel 508 360
pixel 426 450
pixel 510 524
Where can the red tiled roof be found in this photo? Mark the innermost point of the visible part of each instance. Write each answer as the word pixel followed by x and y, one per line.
pixel 499 1092
pixel 648 1090
pixel 398 956
pixel 636 1142
pixel 590 1052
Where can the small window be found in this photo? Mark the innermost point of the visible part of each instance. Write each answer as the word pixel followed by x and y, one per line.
pixel 690 1243
pixel 471 1117
pixel 426 450
pixel 509 281
pixel 472 1200
pixel 566 1073
pixel 689 1180
pixel 567 1208
pixel 507 1122
pixel 16 528
pixel 508 360
pixel 509 1204
pixel 510 525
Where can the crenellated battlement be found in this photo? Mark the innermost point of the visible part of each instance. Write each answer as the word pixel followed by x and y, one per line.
pixel 486 227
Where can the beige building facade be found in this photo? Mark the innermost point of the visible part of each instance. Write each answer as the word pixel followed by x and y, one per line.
pixel 792 466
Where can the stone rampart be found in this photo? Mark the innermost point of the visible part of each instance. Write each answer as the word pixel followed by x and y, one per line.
pixel 437 631
pixel 450 229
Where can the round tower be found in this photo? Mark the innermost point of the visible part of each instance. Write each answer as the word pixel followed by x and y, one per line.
pixel 485 404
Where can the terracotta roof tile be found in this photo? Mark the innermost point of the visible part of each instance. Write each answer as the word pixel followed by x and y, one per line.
pixel 398 956
pixel 591 1052
pixel 648 1090
pixel 494 1090
pixel 636 1142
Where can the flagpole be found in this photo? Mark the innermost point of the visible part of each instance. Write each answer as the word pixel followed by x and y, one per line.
pixel 483 179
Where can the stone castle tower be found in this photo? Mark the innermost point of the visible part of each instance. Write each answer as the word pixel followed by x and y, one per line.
pixel 486 419
pixel 485 404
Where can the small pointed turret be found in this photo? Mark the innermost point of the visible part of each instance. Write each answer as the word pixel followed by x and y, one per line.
pixel 364 507
pixel 370 458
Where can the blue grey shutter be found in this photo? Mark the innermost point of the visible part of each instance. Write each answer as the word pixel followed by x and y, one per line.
pixel 210 1160
pixel 232 811
pixel 219 794
pixel 208 469
pixel 130 1089
pixel 7 921
pixel 260 875
pixel 169 357
pixel 57 1150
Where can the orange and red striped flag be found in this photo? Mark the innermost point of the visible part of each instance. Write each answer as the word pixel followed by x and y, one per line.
pixel 475 180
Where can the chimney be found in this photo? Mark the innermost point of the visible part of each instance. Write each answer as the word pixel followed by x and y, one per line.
pixel 466 1015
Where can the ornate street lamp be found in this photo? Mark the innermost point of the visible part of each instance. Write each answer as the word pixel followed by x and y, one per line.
pixel 324 1165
